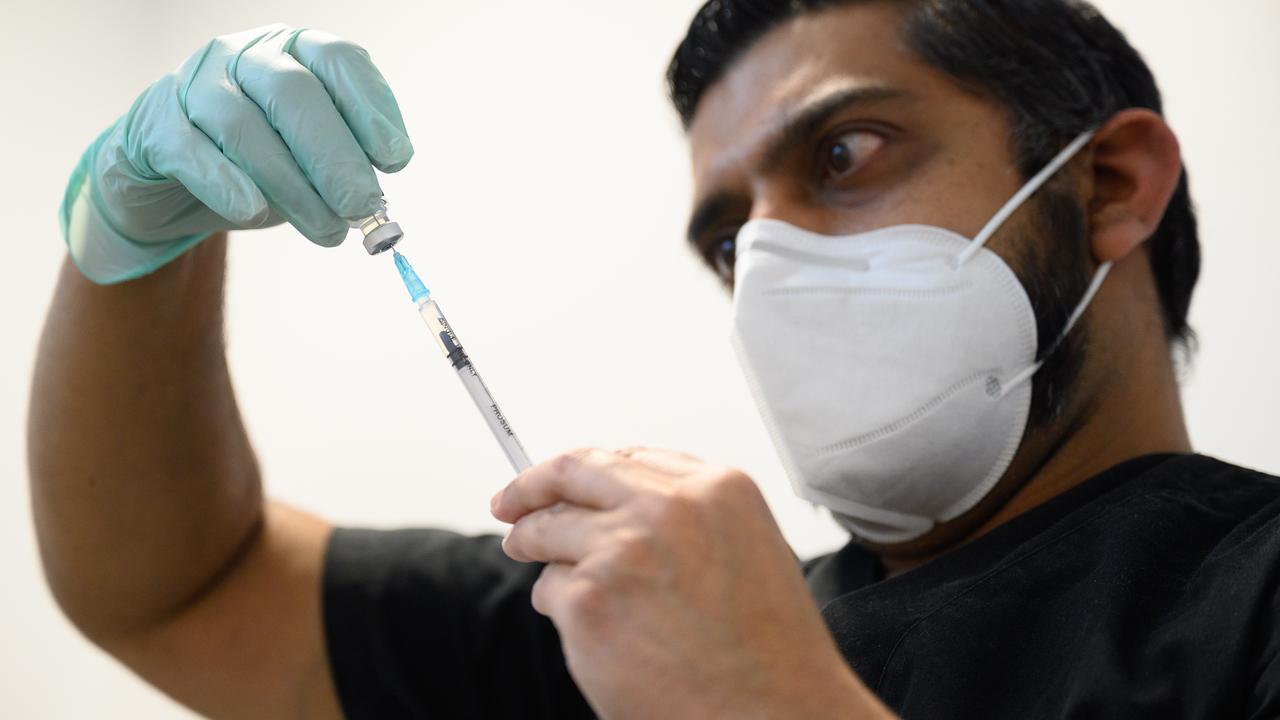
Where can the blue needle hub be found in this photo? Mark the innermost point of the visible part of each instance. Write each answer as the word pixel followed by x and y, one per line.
pixel 417 290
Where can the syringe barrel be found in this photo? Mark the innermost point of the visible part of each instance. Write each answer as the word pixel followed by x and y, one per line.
pixel 441 331
pixel 488 407
pixel 494 418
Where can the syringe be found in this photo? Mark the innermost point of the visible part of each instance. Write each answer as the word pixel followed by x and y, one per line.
pixel 448 342
pixel 382 234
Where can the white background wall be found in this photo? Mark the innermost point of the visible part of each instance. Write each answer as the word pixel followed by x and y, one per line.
pixel 545 208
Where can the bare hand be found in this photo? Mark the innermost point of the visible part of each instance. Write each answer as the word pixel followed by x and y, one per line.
pixel 673 590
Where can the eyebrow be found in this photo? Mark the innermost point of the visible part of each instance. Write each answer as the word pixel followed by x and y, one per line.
pixel 800 123
pixel 709 212
pixel 795 128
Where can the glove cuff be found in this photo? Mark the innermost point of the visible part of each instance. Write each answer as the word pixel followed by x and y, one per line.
pixel 103 254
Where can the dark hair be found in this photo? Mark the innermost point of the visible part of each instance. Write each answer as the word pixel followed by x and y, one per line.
pixel 1058 66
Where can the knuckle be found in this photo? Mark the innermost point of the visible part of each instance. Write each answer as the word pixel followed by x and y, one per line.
pixel 567 462
pixel 288 82
pixel 535 526
pixel 633 552
pixel 529 536
pixel 679 503
pixel 607 459
pixel 216 114
pixel 635 563
pixel 732 484
pixel 737 481
pixel 224 43
pixel 588 602
pixel 336 51
pixel 564 463
pixel 669 509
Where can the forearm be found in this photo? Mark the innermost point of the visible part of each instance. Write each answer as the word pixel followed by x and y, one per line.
pixel 143 483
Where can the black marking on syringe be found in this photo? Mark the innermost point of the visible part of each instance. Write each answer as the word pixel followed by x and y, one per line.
pixel 502 420
pixel 457 355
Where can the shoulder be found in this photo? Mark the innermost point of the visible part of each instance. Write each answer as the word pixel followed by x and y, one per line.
pixel 1203 471
pixel 1214 524
pixel 1211 491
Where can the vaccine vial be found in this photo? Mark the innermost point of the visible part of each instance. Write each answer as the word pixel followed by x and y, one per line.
pixel 380 233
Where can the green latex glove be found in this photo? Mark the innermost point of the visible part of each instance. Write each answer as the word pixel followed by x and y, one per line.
pixel 266 126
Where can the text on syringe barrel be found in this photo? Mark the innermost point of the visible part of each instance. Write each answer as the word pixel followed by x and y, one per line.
pixel 443 334
pixel 453 350
pixel 494 418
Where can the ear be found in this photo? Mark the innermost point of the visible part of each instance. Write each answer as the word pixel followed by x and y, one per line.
pixel 1136 164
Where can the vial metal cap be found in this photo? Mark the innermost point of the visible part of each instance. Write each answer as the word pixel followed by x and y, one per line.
pixel 380 233
pixel 382 238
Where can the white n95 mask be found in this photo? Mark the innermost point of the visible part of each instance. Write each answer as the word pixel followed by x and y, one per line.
pixel 892 368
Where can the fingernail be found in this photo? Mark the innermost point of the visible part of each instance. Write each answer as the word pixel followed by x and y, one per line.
pixel 333 238
pixel 259 217
pixel 396 149
pixel 497 498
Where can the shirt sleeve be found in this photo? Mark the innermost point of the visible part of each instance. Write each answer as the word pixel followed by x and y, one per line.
pixel 1265 702
pixel 1265 699
pixel 431 624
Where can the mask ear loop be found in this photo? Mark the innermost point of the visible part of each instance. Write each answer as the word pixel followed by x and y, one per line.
pixel 1021 196
pixel 1103 270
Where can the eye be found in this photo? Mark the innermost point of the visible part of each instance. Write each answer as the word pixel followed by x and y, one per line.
pixel 722 253
pixel 847 153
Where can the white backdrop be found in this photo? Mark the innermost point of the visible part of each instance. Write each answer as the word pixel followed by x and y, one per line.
pixel 545 208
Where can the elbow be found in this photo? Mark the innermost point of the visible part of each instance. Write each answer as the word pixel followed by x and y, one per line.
pixel 74 595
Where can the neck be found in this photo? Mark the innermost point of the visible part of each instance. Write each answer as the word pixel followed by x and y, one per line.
pixel 1128 407
pixel 1135 417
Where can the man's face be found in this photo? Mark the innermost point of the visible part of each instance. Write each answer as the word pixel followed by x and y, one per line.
pixel 831 123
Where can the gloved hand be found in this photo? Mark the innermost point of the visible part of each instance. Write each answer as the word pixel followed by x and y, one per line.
pixel 257 128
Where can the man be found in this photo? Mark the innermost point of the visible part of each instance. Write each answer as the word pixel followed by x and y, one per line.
pixel 977 381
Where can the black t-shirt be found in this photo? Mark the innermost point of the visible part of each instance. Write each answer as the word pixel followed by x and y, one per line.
pixel 1150 591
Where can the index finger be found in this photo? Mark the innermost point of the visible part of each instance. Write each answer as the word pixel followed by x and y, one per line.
pixel 360 93
pixel 589 478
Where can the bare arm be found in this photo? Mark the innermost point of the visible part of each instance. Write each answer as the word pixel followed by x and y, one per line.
pixel 153 530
